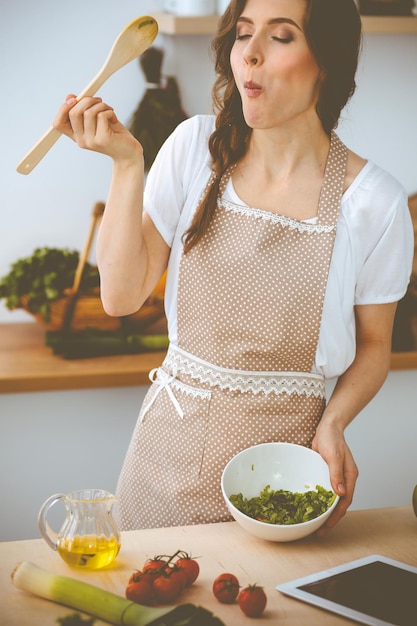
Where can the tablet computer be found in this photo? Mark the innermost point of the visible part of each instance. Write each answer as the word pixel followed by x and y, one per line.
pixel 373 590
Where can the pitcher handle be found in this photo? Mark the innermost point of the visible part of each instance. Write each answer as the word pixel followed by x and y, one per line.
pixel 50 536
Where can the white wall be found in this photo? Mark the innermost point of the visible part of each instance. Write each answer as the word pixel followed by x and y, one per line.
pixel 56 442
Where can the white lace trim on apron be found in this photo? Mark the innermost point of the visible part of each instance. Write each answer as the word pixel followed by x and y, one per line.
pixel 166 381
pixel 178 360
pixel 267 216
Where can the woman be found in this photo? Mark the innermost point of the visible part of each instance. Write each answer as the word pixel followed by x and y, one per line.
pixel 265 297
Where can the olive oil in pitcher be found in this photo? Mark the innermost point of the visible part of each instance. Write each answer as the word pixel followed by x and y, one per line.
pixel 88 551
pixel 89 537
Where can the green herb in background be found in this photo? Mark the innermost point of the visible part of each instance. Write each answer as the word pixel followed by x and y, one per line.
pixel 284 507
pixel 44 277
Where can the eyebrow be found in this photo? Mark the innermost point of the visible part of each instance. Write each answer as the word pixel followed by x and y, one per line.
pixel 274 20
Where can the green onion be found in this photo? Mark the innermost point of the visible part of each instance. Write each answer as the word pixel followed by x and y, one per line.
pixel 105 605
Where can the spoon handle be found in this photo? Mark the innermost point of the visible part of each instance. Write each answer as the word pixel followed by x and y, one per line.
pixel 36 154
pixel 48 139
pixel 134 39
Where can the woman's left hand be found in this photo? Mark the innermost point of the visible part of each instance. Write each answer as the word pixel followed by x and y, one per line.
pixel 330 443
pixel 352 392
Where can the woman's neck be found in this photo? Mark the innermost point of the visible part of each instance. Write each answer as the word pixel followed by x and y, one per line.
pixel 283 172
pixel 280 153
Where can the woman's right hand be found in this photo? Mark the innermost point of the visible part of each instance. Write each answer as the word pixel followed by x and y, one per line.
pixel 93 125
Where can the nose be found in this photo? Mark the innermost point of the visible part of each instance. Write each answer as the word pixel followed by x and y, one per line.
pixel 252 54
pixel 251 59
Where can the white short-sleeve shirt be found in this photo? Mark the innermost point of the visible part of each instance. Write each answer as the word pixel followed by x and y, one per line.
pixel 373 250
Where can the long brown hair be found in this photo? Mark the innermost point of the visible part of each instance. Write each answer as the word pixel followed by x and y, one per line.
pixel 333 32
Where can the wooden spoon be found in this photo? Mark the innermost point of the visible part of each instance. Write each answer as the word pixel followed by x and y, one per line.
pixel 134 39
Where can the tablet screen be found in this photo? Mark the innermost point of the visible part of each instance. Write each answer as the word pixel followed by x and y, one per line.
pixel 374 590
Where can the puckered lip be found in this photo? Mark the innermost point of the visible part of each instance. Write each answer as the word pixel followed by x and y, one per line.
pixel 249 84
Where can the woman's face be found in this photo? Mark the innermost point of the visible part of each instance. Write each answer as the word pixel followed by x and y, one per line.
pixel 275 72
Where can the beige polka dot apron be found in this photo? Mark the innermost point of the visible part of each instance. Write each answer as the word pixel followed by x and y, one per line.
pixel 250 301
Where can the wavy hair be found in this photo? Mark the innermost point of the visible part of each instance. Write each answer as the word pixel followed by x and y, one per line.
pixel 333 32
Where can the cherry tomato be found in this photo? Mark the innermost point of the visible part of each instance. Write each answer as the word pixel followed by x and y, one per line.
pixel 226 588
pixel 252 600
pixel 141 590
pixel 166 588
pixel 154 566
pixel 189 566
pixel 180 574
pixel 135 577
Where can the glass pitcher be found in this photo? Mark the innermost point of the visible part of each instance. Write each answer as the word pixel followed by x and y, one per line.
pixel 89 537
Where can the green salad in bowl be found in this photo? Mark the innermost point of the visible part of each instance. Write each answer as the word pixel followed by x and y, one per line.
pixel 278 491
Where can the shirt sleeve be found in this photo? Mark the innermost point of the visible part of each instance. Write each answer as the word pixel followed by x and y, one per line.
pixel 387 244
pixel 172 174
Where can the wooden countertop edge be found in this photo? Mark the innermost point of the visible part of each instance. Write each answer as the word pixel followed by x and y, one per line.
pixel 63 382
pixel 404 360
pixel 28 365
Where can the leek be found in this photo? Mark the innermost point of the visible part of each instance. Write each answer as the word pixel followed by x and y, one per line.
pixel 105 605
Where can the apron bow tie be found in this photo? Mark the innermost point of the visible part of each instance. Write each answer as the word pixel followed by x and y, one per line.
pixel 164 381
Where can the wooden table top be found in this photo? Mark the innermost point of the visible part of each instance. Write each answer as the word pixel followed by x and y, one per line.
pixel 220 548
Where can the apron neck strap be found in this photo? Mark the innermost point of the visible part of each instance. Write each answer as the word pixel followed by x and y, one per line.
pixel 333 182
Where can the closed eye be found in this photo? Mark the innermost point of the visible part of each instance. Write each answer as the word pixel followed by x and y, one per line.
pixel 283 39
pixel 280 39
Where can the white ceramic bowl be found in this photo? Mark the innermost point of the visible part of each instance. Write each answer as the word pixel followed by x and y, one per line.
pixel 282 466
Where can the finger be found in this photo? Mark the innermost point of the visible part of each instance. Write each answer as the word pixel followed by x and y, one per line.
pixel 77 115
pixel 107 121
pixel 92 115
pixel 336 463
pixel 336 516
pixel 61 120
pixel 97 127
pixel 337 480
pixel 339 512
pixel 345 501
pixel 350 475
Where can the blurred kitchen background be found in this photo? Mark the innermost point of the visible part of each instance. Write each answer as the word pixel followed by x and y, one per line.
pixel 59 441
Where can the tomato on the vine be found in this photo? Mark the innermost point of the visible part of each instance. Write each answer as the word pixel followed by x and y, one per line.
pixel 226 588
pixel 162 579
pixel 180 575
pixel 189 566
pixel 166 588
pixel 141 590
pixel 154 566
pixel 135 576
pixel 252 600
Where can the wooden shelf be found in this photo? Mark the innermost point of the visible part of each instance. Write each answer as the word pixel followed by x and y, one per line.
pixel 170 24
pixel 393 25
